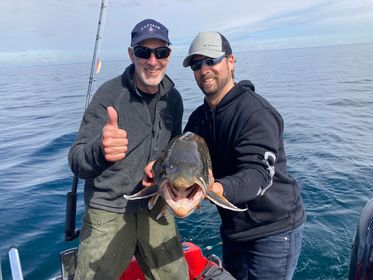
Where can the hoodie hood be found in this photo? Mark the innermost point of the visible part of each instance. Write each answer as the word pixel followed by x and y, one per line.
pixel 242 87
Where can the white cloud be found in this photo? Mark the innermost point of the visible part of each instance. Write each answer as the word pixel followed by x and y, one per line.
pixel 69 27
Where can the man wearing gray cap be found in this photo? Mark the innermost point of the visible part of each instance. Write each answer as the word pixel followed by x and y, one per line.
pixel 244 133
pixel 128 123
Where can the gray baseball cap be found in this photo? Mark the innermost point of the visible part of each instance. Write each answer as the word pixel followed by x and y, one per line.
pixel 210 43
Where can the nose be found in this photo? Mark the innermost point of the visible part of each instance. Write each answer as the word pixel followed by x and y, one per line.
pixel 152 60
pixel 204 68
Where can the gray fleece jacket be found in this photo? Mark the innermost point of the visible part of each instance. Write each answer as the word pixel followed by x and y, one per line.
pixel 105 182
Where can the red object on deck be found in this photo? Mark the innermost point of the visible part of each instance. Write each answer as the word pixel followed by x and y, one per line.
pixel 133 272
pixel 193 255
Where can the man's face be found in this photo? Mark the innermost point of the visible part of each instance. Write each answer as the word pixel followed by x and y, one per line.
pixel 215 79
pixel 150 71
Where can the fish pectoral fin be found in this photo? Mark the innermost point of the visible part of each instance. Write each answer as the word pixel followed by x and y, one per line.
pixel 162 212
pixel 223 202
pixel 144 193
pixel 153 201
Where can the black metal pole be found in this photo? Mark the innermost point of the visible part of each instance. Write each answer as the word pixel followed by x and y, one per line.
pixel 70 218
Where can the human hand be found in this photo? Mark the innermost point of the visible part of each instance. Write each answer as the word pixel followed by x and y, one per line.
pixel 114 140
pixel 148 179
pixel 215 187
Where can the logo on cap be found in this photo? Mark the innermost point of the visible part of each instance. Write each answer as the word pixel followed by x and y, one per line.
pixel 150 27
pixel 211 46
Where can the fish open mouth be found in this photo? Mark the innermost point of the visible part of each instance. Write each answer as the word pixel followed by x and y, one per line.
pixel 184 192
pixel 183 200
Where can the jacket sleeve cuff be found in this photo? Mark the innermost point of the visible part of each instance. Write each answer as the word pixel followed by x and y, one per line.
pixel 98 153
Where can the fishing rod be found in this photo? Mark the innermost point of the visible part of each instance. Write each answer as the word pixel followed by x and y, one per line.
pixel 96 61
pixel 71 197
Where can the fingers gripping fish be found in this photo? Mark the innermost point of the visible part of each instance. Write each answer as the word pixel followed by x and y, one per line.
pixel 182 177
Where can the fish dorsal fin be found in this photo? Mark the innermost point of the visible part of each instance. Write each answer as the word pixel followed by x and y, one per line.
pixel 223 202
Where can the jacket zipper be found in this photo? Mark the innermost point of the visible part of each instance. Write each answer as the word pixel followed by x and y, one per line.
pixel 156 128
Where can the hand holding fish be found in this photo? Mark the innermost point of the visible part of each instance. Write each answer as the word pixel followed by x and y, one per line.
pixel 114 140
pixel 149 176
pixel 215 187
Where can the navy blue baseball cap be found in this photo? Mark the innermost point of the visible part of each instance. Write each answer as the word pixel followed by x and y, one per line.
pixel 149 29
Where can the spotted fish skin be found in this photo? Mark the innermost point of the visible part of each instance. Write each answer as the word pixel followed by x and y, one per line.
pixel 182 177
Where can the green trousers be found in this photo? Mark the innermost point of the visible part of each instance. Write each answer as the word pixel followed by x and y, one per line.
pixel 108 241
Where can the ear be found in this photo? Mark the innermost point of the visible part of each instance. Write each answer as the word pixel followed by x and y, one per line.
pixel 231 61
pixel 131 54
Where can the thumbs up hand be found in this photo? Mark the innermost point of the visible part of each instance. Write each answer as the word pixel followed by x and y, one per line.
pixel 114 140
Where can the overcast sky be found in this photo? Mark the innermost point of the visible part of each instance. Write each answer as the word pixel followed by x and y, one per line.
pixel 46 31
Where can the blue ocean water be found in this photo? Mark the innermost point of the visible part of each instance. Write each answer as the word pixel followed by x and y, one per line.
pixel 324 94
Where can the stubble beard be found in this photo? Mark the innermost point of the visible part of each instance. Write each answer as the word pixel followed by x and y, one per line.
pixel 214 88
pixel 153 80
pixel 150 82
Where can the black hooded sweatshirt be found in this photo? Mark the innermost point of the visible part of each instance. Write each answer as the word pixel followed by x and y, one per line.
pixel 245 138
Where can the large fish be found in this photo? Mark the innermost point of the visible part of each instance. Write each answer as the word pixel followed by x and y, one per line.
pixel 182 177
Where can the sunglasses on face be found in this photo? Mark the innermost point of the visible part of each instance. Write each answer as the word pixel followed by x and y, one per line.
pixel 197 64
pixel 144 52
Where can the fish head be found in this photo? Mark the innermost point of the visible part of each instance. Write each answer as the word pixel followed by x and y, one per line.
pixel 183 195
pixel 182 174
pixel 184 184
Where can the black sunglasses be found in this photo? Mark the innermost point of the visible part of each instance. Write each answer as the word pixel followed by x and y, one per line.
pixel 197 64
pixel 144 52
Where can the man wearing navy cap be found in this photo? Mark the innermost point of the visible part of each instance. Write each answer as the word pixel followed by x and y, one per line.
pixel 129 121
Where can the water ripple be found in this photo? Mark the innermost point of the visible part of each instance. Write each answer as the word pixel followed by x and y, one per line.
pixel 324 95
